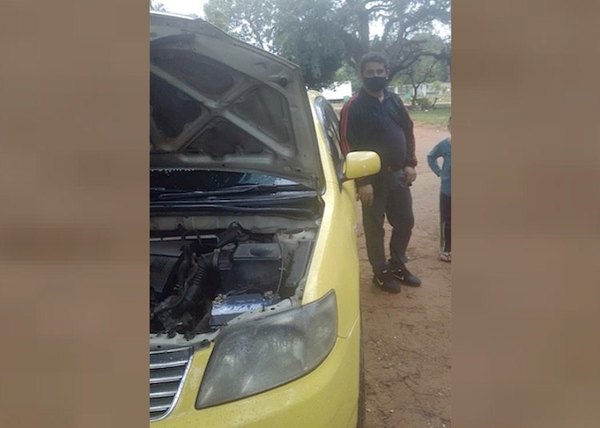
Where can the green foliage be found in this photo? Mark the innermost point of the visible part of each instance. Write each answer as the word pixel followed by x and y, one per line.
pixel 299 30
pixel 252 21
pixel 322 35
pixel 436 86
pixel 346 73
pixel 402 20
pixel 437 116
pixel 304 36
pixel 429 67
pixel 424 103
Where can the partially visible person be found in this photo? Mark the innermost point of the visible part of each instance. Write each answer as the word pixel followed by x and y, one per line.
pixel 376 119
pixel 443 150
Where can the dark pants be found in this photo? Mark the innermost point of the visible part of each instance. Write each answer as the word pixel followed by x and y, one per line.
pixel 393 199
pixel 445 222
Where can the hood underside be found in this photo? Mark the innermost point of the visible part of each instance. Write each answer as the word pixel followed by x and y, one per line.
pixel 220 104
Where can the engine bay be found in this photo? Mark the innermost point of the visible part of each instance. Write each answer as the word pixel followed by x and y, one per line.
pixel 201 280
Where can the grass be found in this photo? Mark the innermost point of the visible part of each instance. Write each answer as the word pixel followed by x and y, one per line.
pixel 438 116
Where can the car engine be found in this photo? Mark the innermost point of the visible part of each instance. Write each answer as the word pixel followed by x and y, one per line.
pixel 199 281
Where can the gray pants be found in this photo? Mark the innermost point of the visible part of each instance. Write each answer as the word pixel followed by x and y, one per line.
pixel 391 198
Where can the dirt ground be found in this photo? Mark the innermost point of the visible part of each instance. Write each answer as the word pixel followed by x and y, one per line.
pixel 406 337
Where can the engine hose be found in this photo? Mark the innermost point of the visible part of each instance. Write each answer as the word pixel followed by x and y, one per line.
pixel 186 285
pixel 192 293
pixel 186 265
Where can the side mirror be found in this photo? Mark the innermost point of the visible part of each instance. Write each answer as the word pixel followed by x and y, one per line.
pixel 361 164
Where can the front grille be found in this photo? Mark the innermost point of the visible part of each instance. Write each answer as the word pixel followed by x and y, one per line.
pixel 167 371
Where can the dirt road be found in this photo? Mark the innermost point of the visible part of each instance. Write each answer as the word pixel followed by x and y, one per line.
pixel 406 337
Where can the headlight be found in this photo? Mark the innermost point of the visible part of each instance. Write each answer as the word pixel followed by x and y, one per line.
pixel 258 355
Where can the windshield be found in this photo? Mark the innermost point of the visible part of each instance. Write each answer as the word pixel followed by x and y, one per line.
pixel 192 179
pixel 200 191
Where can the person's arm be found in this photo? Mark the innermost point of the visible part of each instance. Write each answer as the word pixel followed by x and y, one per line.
pixel 409 135
pixel 351 135
pixel 411 158
pixel 432 158
pixel 343 127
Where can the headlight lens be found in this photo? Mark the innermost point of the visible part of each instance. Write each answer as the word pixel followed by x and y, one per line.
pixel 258 355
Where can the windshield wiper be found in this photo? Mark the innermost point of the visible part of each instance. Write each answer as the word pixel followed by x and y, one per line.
pixel 168 209
pixel 174 194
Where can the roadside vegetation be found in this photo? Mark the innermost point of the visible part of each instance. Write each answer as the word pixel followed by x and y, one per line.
pixel 437 116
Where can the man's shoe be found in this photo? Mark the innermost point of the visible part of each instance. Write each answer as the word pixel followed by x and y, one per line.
pixel 403 275
pixel 387 282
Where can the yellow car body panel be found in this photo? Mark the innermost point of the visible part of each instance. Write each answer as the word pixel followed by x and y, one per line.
pixel 326 397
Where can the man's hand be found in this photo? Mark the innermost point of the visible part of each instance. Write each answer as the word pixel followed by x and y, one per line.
pixel 365 194
pixel 411 174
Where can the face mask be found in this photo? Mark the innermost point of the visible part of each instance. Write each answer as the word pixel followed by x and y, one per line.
pixel 375 84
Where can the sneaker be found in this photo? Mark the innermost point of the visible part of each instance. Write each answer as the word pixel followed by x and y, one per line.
pixel 446 256
pixel 387 282
pixel 403 275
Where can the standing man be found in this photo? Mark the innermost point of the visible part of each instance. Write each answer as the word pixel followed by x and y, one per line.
pixel 376 119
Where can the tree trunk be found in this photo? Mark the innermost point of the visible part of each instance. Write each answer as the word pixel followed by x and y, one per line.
pixel 413 101
pixel 363 19
pixel 360 44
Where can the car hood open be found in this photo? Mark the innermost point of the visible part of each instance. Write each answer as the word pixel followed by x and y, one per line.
pixel 218 103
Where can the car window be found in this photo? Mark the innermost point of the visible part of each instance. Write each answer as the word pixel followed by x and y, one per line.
pixel 329 122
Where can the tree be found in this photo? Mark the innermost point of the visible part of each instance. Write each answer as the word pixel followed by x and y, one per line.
pixel 303 35
pixel 298 30
pixel 427 68
pixel 249 20
pixel 400 19
pixel 320 34
pixel 347 73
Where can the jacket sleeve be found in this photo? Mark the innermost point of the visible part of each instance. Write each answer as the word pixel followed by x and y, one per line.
pixel 351 135
pixel 349 131
pixel 432 158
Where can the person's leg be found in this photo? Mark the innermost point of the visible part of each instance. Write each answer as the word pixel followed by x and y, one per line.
pixel 445 227
pixel 373 218
pixel 441 213
pixel 400 215
pixel 446 211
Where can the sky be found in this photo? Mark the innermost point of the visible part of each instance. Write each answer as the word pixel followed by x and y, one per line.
pixel 185 7
pixel 196 7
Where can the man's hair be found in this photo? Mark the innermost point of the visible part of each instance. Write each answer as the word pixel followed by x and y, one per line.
pixel 372 57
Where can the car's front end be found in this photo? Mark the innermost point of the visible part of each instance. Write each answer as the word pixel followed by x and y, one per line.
pixel 254 306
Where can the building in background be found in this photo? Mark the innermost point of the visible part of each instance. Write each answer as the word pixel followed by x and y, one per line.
pixel 338 92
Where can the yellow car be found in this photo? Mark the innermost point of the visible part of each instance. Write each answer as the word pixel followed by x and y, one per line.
pixel 254 274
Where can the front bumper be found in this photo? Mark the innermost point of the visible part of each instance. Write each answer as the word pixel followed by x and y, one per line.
pixel 327 397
